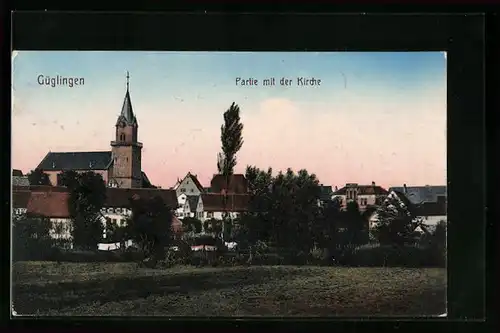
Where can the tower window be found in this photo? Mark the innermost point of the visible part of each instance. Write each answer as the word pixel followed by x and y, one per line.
pixel 122 137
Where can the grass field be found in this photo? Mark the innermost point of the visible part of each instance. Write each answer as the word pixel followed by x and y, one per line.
pixel 121 289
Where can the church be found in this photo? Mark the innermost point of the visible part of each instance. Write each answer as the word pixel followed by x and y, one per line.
pixel 120 167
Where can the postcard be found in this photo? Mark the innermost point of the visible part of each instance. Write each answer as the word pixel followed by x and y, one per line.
pixel 235 184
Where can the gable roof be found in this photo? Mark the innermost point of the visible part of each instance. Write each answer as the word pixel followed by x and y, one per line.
pixel 20 181
pixel 17 173
pixel 193 178
pixel 193 200
pixel 120 197
pixel 419 194
pixel 20 199
pixel 363 190
pixel 402 197
pixel 214 202
pixel 238 184
pixel 94 160
pixel 52 204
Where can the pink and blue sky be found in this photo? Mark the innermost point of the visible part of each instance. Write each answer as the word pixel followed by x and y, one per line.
pixel 377 116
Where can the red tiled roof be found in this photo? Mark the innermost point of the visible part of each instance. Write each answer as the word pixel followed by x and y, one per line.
pixel 214 202
pixel 20 199
pixel 120 197
pixel 237 184
pixel 50 204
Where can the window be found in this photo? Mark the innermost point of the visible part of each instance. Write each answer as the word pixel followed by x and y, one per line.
pixel 122 137
pixel 200 215
pixel 110 210
pixel 192 190
pixel 181 214
pixel 118 210
pixel 183 190
pixel 210 214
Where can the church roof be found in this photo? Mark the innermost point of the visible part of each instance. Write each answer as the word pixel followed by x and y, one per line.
pixel 127 114
pixel 94 160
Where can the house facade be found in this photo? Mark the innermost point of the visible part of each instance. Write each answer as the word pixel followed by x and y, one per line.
pixel 430 209
pixel 364 195
pixel 216 205
pixel 190 206
pixel 189 185
pixel 52 202
pixel 119 167
pixel 430 201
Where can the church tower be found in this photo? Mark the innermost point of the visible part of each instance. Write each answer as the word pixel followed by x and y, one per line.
pixel 126 150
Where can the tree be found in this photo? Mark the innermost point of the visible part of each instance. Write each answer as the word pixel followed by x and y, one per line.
pixel 68 178
pixel 191 224
pixel 30 237
pixel 232 141
pixel 397 222
pixel 325 231
pixel 356 224
pixel 87 197
pixel 38 177
pixel 150 225
pixel 254 224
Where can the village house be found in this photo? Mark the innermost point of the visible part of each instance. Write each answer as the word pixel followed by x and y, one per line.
pixel 228 195
pixel 364 195
pixel 190 206
pixel 189 185
pixel 52 202
pixel 216 205
pixel 119 167
pixel 427 202
pixel 20 200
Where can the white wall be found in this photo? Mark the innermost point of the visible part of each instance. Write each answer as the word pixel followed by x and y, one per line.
pixel 219 215
pixel 433 220
pixel 19 211
pixel 187 186
pixel 119 215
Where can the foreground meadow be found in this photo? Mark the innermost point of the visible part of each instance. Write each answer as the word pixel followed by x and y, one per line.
pixel 122 289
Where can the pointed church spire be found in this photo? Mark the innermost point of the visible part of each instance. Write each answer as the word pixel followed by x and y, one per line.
pixel 128 77
pixel 127 114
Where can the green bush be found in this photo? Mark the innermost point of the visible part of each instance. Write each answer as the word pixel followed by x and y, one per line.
pixel 392 256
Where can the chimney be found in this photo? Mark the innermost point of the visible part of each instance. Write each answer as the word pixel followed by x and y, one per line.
pixel 336 188
pixel 373 183
pixel 405 189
